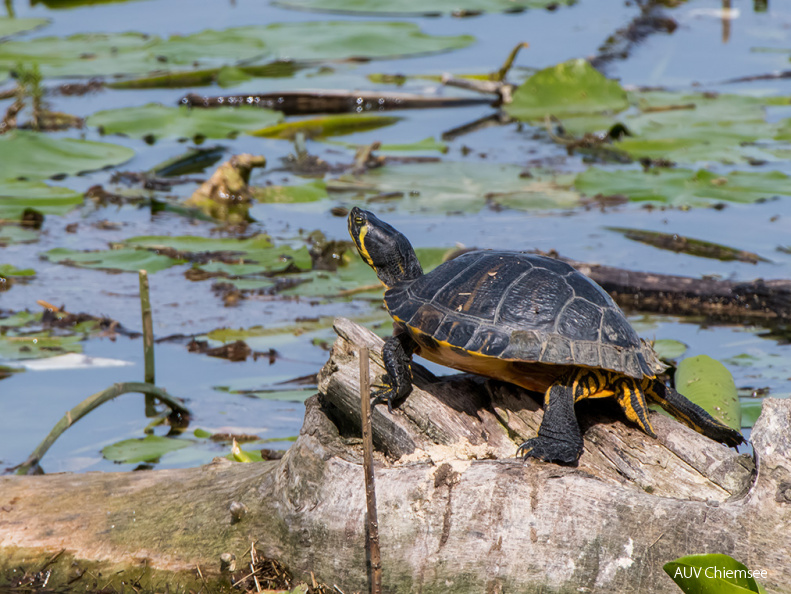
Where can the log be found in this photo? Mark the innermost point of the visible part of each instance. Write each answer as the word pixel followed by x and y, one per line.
pixel 457 512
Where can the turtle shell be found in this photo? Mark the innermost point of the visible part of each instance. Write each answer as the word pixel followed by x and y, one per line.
pixel 521 307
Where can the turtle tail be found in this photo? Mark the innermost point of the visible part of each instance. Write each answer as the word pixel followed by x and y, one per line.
pixel 691 414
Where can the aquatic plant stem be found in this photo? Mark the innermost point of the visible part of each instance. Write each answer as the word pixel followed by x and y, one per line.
pixel 368 467
pixel 92 402
pixel 148 340
pixel 509 61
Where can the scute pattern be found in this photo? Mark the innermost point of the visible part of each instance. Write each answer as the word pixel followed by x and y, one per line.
pixel 520 307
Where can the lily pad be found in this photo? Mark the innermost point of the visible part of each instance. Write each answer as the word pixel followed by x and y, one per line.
pixel 336 125
pixel 9 26
pixel 12 233
pixel 9 270
pixel 568 89
pixel 457 187
pixel 148 449
pixel 234 257
pixel 120 260
pixel 158 121
pixel 709 384
pixel 703 574
pixel 39 345
pixel 417 7
pixel 33 155
pixel 684 187
pixel 309 192
pixel 97 54
pixel 669 349
pixel 18 195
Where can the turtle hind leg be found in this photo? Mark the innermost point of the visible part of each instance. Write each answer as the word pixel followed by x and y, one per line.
pixel 691 414
pixel 559 438
pixel 630 396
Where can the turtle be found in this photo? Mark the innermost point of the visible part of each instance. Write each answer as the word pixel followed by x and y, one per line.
pixel 523 318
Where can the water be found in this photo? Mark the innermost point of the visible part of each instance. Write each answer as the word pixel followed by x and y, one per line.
pixel 704 49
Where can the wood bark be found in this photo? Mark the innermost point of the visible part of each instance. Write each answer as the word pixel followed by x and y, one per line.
pixel 457 512
pixel 759 300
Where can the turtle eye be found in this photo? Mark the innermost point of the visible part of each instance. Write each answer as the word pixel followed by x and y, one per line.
pixel 359 220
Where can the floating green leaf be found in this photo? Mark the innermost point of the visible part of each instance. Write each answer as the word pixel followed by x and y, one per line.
pixel 456 187
pixel 712 574
pixel 12 233
pixel 418 6
pixel 309 192
pixel 34 155
pixel 684 187
pixel 710 385
pixel 9 26
pixel 234 257
pixel 7 270
pixel 120 260
pixel 18 195
pixel 148 449
pixel 687 245
pixel 751 410
pixel 39 345
pixel 336 125
pixel 160 121
pixel 97 54
pixel 669 349
pixel 568 89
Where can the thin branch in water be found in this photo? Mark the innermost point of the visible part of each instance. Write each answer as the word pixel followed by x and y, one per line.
pixel 92 402
pixel 148 341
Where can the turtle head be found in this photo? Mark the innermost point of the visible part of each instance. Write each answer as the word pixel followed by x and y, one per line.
pixel 383 248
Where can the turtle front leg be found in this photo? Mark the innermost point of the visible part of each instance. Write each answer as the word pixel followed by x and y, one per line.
pixel 397 357
pixel 559 436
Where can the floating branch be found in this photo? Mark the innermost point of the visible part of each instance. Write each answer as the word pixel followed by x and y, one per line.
pixel 92 402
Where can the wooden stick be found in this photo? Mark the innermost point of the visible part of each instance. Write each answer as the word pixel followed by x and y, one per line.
pixel 148 341
pixel 368 466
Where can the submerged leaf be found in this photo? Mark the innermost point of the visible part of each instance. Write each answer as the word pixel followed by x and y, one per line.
pixel 160 121
pixel 34 155
pixel 709 384
pixel 336 125
pixel 687 245
pixel 568 89
pixel 419 6
pixel 148 449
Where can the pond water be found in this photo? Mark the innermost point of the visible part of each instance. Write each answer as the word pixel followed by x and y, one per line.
pixel 261 396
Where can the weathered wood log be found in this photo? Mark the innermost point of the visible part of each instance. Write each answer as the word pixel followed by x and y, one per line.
pixel 457 512
pixel 758 301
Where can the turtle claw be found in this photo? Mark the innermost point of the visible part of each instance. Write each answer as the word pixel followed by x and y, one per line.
pixel 550 450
